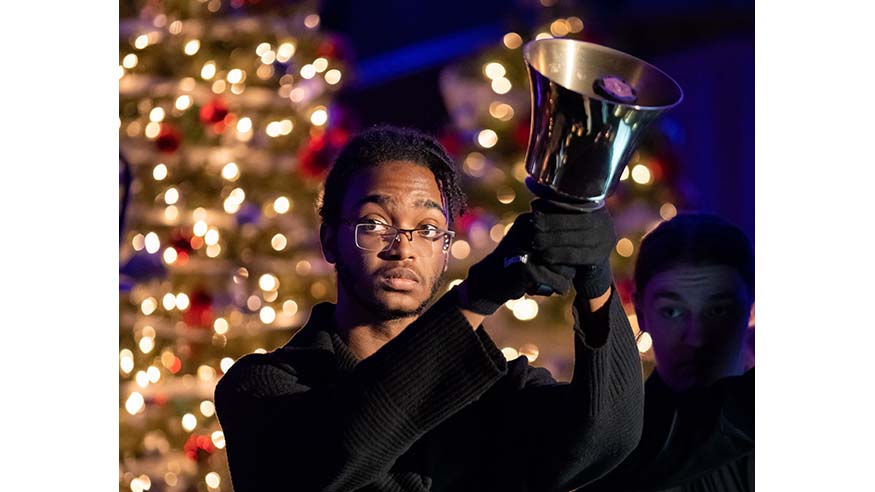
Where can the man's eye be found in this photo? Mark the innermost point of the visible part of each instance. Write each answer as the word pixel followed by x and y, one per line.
pixel 718 311
pixel 429 231
pixel 671 312
pixel 374 226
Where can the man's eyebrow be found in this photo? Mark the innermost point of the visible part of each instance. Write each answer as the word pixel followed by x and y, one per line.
pixel 667 294
pixel 723 296
pixel 383 200
pixel 428 203
pixel 373 198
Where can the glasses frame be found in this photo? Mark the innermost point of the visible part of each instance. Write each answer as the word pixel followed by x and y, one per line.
pixel 448 235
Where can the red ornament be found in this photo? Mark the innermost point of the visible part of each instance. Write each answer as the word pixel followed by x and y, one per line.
pixel 200 310
pixel 316 157
pixel 169 138
pixel 214 111
pixel 180 239
pixel 198 447
pixel 334 47
pixel 465 222
pixel 521 134
pixel 451 141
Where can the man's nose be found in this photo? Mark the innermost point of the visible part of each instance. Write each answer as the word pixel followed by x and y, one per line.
pixel 695 333
pixel 402 246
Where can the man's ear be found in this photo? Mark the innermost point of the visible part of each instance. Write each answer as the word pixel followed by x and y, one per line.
pixel 328 239
pixel 638 302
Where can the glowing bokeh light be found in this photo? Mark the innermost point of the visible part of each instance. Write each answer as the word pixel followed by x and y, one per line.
pixel 209 70
pixel 235 76
pixel 285 52
pixel 625 248
pixel 319 117
pixel 154 374
pixel 146 344
pixel 149 305
pixel 213 480
pixel 192 47
pixel 494 70
pixel 168 301
pixel 157 114
pixel 268 281
pixel 130 61
pixel 135 403
pixel 308 71
pixel 667 211
pixel 159 172
pixel 487 138
pixel 333 76
pixel 320 64
pixel 218 438
pixel 183 102
pixel 311 21
pixel 290 307
pixel 510 353
pixel 126 361
pixel 267 315
pixel 641 174
pixel 512 40
pixel 207 408
pixel 244 125
pixel 171 196
pixel 278 242
pixel 189 422
pixel 231 171
pixel 182 301
pixel 501 85
pixel 282 204
pixel 211 237
pixel 460 249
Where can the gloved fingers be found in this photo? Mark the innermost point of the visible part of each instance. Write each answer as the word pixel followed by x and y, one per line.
pixel 575 256
pixel 519 237
pixel 558 278
pixel 565 220
pixel 583 239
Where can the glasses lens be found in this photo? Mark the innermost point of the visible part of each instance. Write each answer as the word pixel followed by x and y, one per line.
pixel 380 237
pixel 374 237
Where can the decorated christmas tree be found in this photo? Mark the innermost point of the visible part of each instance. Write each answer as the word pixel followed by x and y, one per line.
pixel 225 129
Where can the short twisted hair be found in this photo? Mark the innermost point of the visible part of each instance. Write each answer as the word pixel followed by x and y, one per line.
pixel 382 144
pixel 694 239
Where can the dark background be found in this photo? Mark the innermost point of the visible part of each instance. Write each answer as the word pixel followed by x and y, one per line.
pixel 707 47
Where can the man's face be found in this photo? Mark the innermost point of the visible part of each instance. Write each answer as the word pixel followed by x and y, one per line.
pixel 697 317
pixel 401 281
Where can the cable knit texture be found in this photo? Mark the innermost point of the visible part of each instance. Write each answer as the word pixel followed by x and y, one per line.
pixel 436 409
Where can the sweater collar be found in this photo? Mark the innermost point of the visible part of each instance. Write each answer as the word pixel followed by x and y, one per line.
pixel 319 335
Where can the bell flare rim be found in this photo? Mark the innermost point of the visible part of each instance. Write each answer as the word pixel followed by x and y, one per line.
pixel 531 45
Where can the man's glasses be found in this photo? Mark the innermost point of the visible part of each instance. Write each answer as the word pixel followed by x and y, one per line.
pixel 377 237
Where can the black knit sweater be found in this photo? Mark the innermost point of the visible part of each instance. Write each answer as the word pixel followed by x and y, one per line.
pixel 700 440
pixel 436 408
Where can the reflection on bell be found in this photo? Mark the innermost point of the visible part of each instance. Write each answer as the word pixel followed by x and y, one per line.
pixel 590 106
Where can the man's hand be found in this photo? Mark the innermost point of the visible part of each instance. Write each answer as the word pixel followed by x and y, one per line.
pixel 511 270
pixel 582 241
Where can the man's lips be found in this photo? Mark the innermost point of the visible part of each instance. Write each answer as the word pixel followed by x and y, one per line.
pixel 402 279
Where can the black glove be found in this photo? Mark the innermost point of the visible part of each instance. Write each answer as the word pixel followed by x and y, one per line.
pixel 579 240
pixel 510 271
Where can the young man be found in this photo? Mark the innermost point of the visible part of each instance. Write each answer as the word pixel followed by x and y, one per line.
pixel 694 280
pixel 390 389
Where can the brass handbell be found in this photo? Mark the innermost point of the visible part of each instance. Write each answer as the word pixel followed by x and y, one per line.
pixel 590 106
